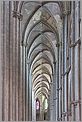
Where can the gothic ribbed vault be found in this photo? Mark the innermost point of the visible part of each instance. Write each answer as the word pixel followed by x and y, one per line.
pixel 41 60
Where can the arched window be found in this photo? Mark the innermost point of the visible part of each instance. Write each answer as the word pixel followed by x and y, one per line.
pixel 46 104
pixel 37 104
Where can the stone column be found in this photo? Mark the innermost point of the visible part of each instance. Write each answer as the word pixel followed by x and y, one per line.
pixel 11 61
pixel 33 106
pixel 1 61
pixel 17 67
pixel 65 68
pixel 80 54
pixel 17 17
pixel 77 62
pixel 60 84
pixel 29 91
pixel 53 95
pixel 30 94
pixel 48 115
pixel 6 60
pixel 57 80
pixel 73 62
pixel 23 77
pixel 65 64
pixel 51 101
pixel 16 52
pixel 54 91
pixel 62 67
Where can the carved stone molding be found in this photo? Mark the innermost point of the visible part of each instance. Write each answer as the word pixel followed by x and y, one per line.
pixel 17 15
pixel 58 44
pixel 66 12
pixel 66 8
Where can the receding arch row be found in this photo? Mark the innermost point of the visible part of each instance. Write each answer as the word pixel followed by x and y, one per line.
pixel 43 68
pixel 42 80
pixel 53 19
pixel 43 89
pixel 47 25
pixel 40 93
pixel 45 71
pixel 34 78
pixel 20 8
pixel 33 52
pixel 44 65
pixel 38 65
pixel 42 77
pixel 41 85
pixel 45 47
pixel 37 37
pixel 40 51
pixel 31 41
pixel 37 75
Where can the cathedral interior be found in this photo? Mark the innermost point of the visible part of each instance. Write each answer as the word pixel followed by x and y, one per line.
pixel 41 60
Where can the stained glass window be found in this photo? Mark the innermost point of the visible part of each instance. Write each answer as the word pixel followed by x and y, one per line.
pixel 37 105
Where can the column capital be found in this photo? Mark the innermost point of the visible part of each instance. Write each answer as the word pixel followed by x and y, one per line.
pixel 17 15
pixel 57 44
pixel 66 12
